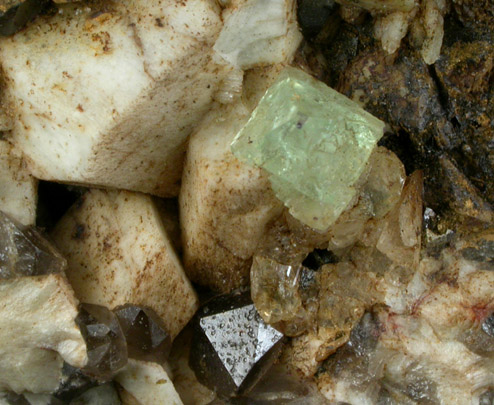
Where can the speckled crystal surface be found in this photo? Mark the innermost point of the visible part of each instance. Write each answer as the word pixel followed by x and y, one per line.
pixel 232 347
pixel 314 142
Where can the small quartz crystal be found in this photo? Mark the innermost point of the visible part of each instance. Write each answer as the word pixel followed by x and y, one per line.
pixel 24 252
pixel 107 349
pixel 232 347
pixel 278 293
pixel 313 141
pixel 145 333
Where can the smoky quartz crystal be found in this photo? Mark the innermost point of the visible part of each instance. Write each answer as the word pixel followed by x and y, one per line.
pixel 232 347
pixel 25 252
pixel 145 333
pixel 107 349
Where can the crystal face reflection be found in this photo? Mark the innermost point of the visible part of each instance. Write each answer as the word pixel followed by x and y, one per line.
pixel 232 346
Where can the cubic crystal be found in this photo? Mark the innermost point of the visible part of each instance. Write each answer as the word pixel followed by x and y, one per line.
pixel 232 347
pixel 313 141
pixel 107 349
pixel 25 252
pixel 145 333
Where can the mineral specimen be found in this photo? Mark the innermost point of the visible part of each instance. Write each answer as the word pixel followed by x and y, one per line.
pixel 15 14
pixel 119 252
pixel 278 296
pixel 282 386
pixel 258 32
pixel 220 195
pixel 320 307
pixel 191 391
pixel 145 333
pixel 107 349
pixel 17 186
pixel 146 383
pixel 435 348
pixel 232 347
pixel 315 144
pixel 25 252
pixel 73 383
pixel 37 333
pixel 98 126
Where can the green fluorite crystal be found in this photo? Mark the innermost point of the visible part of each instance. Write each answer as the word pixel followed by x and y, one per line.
pixel 313 141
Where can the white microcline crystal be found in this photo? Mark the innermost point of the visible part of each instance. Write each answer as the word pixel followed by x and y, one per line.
pixel 258 32
pixel 119 252
pixel 37 333
pixel 108 94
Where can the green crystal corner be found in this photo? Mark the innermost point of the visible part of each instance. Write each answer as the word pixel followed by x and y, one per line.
pixel 314 142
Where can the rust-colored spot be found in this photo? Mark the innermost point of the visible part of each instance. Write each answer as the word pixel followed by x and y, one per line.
pixel 79 108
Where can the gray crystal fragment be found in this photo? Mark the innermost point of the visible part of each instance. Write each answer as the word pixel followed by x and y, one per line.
pixel 25 252
pixel 232 347
pixel 107 349
pixel 73 383
pixel 488 326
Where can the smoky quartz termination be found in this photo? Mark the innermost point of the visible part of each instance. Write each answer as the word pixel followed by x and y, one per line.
pixel 107 349
pixel 232 347
pixel 25 252
pixel 145 333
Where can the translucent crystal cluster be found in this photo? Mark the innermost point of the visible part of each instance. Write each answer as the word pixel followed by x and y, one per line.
pixel 313 141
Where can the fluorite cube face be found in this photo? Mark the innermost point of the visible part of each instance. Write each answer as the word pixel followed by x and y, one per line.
pixel 314 142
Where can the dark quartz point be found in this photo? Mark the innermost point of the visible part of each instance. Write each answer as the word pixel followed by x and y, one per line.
pixel 17 16
pixel 145 333
pixel 73 383
pixel 232 347
pixel 107 350
pixel 25 252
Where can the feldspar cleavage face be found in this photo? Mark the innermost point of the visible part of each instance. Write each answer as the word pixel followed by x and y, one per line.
pixel 314 142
